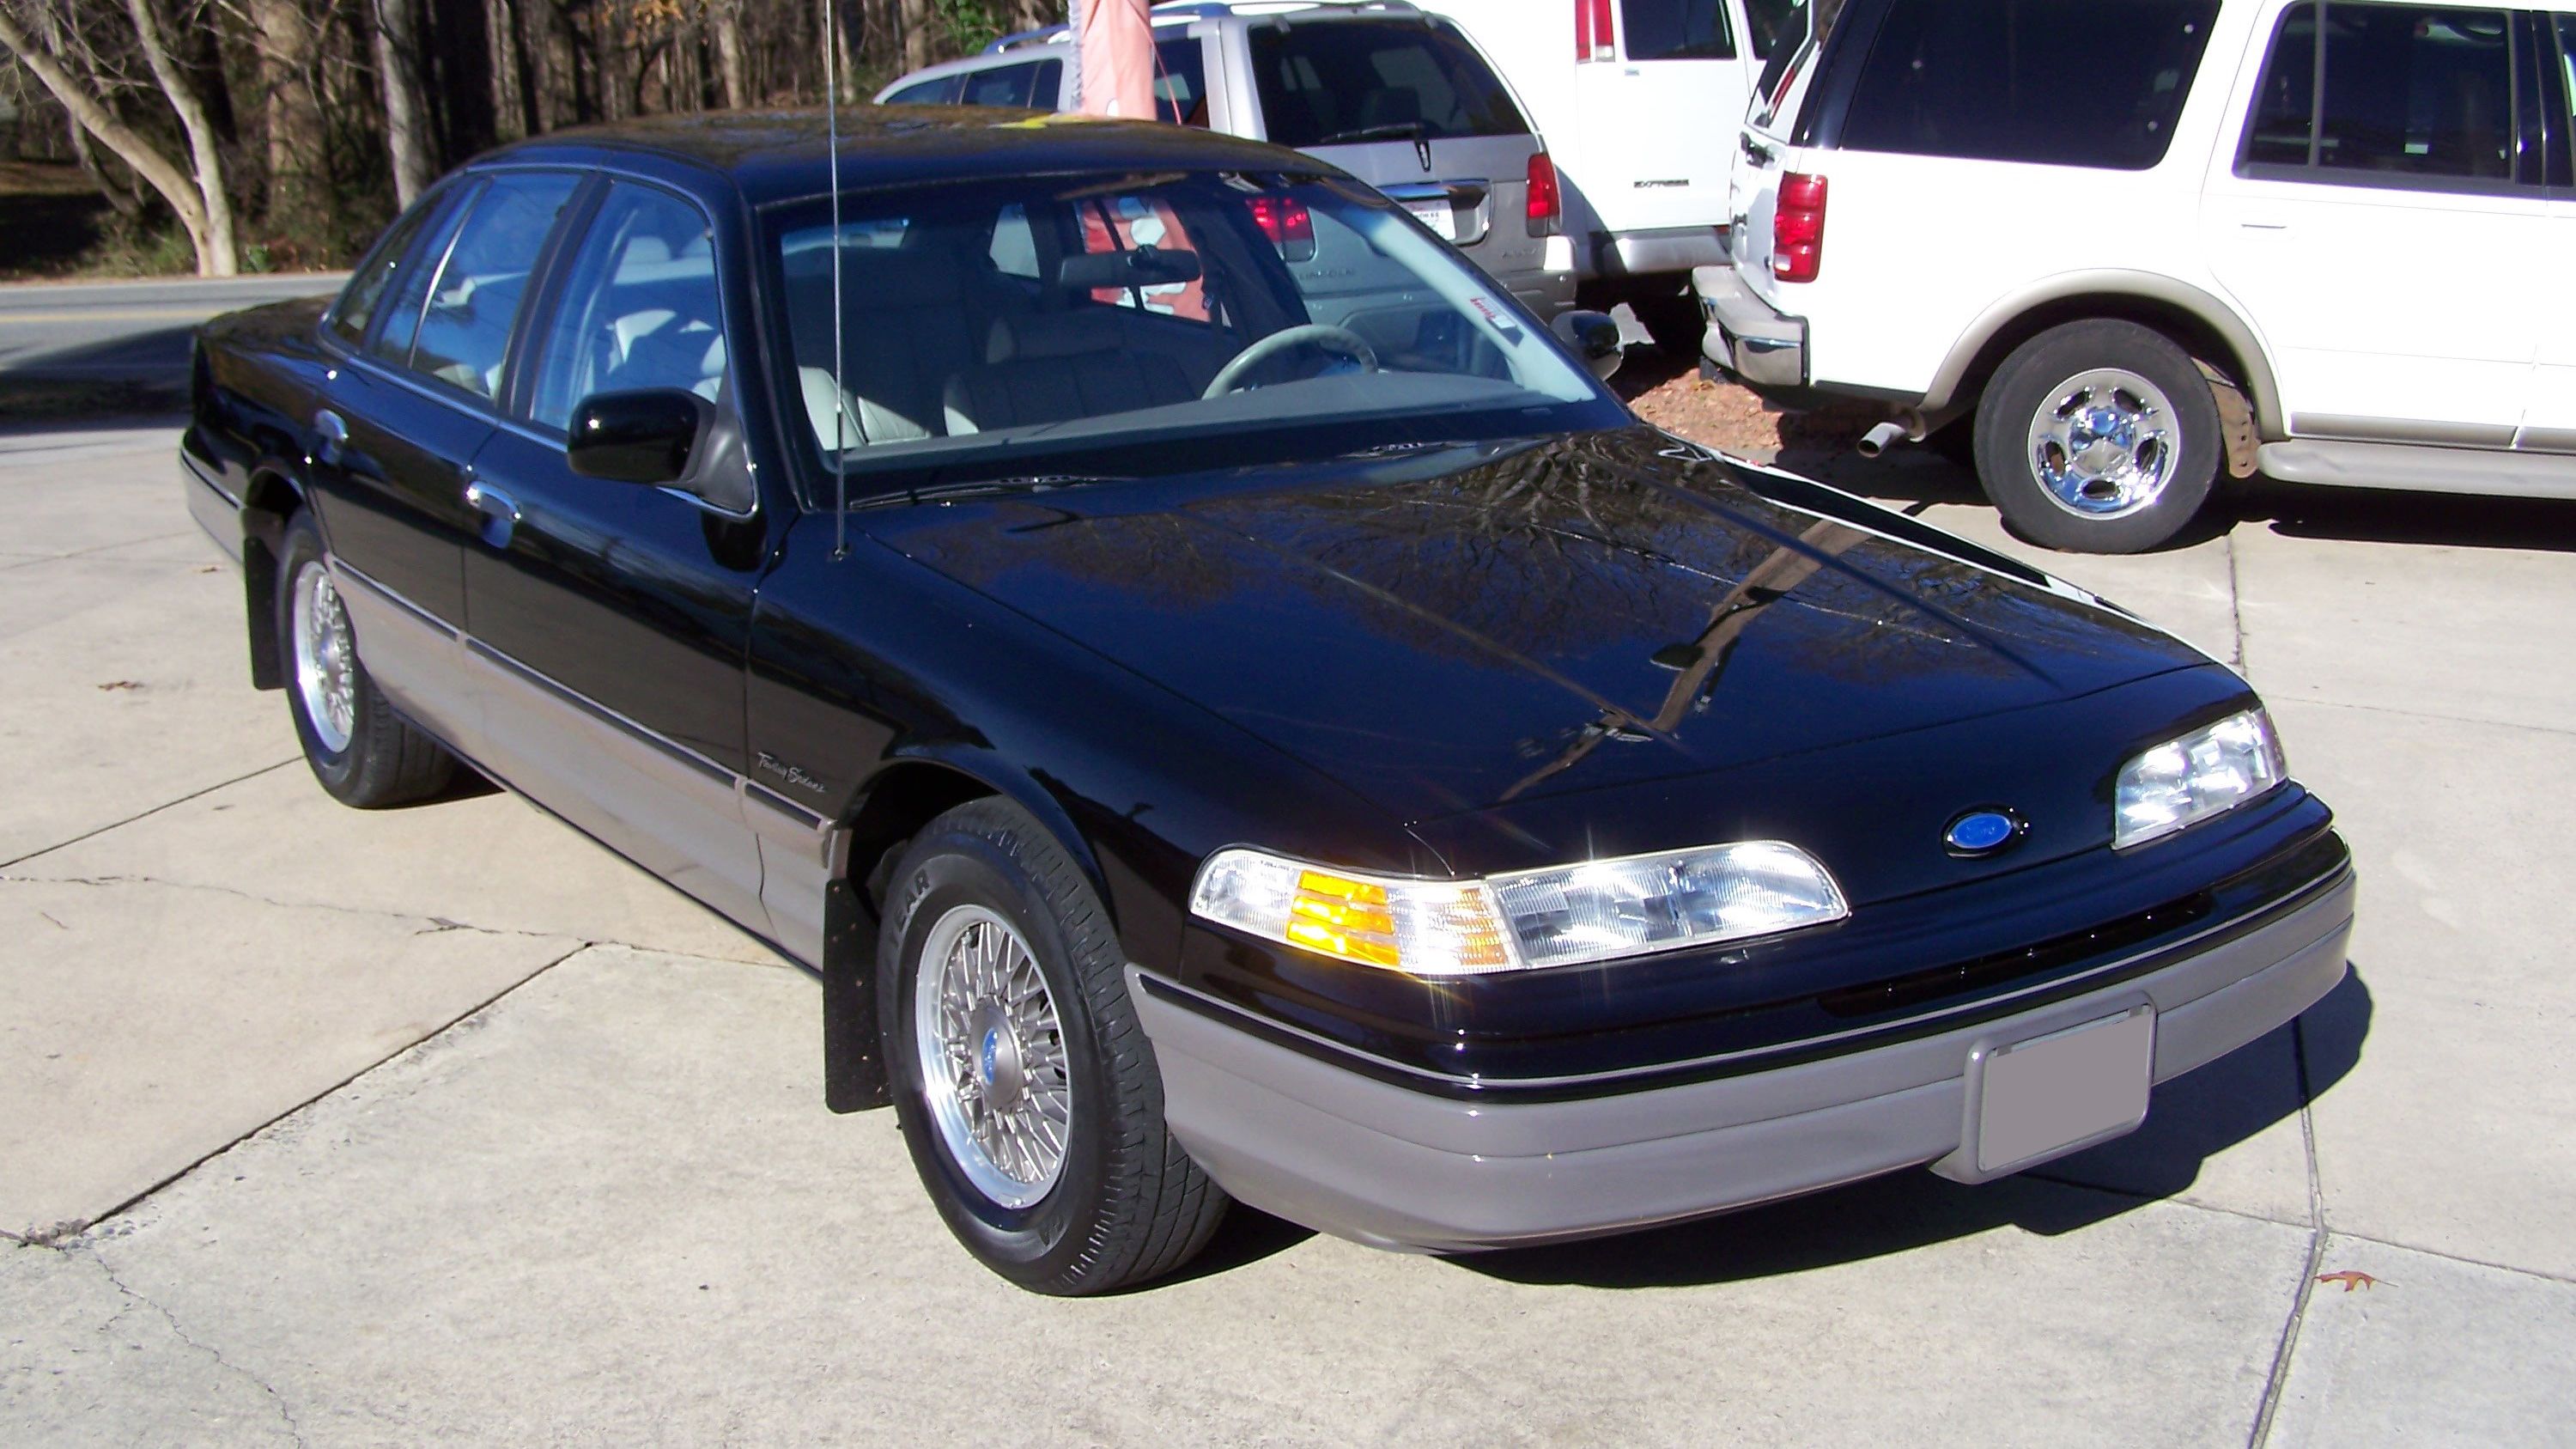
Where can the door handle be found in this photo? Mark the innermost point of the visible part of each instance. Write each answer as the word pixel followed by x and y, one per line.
pixel 330 436
pixel 500 512
pixel 1754 151
pixel 491 503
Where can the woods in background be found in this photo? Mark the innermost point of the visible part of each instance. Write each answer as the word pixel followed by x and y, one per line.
pixel 285 133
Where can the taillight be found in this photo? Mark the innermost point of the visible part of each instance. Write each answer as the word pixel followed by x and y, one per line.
pixel 1798 228
pixel 1544 205
pixel 1593 39
pixel 1288 224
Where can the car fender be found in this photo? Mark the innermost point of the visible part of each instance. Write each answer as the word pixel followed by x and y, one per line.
pixel 1975 353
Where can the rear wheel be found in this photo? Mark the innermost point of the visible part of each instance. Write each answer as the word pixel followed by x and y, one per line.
pixel 1024 1084
pixel 364 753
pixel 2098 436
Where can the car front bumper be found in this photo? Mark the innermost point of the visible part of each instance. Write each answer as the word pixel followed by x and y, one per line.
pixel 1301 1136
pixel 1746 335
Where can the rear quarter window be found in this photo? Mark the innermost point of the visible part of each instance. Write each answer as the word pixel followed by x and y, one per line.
pixel 1350 82
pixel 2098 84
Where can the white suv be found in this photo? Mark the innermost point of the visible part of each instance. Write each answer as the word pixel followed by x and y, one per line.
pixel 2144 238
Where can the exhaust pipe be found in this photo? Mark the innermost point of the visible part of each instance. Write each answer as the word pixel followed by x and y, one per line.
pixel 1911 425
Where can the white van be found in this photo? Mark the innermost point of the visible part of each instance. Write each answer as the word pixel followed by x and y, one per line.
pixel 1640 101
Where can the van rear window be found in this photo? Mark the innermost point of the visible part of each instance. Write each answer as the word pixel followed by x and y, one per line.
pixel 1351 82
pixel 1998 80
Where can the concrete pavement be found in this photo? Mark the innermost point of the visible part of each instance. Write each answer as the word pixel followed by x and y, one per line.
pixel 263 1189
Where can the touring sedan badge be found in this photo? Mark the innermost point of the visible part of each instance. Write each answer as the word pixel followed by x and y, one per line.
pixel 1983 832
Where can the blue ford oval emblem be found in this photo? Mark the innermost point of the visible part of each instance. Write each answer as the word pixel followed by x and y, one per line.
pixel 992 1049
pixel 1982 832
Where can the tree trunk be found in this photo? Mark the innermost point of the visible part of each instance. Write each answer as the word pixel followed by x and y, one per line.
pixel 730 69
pixel 916 34
pixel 122 198
pixel 457 45
pixel 287 41
pixel 397 46
pixel 202 209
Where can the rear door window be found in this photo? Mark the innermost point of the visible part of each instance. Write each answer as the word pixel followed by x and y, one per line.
pixel 1342 83
pixel 412 282
pixel 1006 85
pixel 2387 90
pixel 939 92
pixel 465 330
pixel 1675 30
pixel 2004 80
pixel 391 258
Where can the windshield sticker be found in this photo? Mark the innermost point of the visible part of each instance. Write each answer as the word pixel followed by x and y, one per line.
pixel 1499 320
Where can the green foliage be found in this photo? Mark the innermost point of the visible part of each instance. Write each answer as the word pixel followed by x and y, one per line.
pixel 967 26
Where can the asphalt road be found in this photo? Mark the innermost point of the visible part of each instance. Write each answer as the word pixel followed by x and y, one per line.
pixel 442 1124
pixel 125 331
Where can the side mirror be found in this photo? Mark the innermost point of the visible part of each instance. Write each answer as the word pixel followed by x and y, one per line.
pixel 647 436
pixel 1594 336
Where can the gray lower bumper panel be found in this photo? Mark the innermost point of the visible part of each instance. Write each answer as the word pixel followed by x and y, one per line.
pixel 1365 1159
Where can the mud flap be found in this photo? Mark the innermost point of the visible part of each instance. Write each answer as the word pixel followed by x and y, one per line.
pixel 2235 420
pixel 854 1069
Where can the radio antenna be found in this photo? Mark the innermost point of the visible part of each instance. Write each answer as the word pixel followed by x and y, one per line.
pixel 840 399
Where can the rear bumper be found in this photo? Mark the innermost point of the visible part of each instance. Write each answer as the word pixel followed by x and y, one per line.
pixel 1542 292
pixel 1746 335
pixel 1661 251
pixel 1316 1142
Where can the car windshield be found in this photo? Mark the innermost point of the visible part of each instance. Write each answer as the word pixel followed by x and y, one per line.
pixel 1089 325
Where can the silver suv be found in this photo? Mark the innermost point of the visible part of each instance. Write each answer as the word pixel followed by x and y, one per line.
pixel 1401 99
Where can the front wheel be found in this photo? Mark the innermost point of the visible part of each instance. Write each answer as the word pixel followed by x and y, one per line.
pixel 1027 1093
pixel 364 753
pixel 2098 437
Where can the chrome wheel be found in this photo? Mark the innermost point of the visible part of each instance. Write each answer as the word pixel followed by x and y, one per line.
pixel 325 661
pixel 992 1056
pixel 2104 443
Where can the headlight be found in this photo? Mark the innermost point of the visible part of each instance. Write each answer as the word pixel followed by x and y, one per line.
pixel 1597 911
pixel 2196 776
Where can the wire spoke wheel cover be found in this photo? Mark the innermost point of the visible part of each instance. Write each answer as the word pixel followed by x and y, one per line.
pixel 2104 443
pixel 993 1058
pixel 324 658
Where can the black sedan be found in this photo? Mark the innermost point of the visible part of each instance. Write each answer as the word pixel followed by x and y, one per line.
pixel 1226 702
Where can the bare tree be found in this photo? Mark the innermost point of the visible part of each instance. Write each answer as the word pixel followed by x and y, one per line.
pixel 289 44
pixel 194 189
pixel 396 30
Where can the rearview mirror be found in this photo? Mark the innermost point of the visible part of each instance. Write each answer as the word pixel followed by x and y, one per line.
pixel 647 436
pixel 1594 336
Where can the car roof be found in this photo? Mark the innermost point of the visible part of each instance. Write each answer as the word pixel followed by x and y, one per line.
pixel 780 155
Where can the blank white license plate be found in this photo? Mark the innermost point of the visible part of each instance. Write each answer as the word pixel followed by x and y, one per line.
pixel 1437 216
pixel 2040 1097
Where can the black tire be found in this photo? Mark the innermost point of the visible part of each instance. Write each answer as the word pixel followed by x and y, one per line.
pixel 385 760
pixel 1127 1203
pixel 2022 387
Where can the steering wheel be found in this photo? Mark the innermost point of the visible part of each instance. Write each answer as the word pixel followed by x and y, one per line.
pixel 1339 339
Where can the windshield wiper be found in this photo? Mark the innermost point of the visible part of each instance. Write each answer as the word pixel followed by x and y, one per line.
pixel 1391 131
pixel 986 488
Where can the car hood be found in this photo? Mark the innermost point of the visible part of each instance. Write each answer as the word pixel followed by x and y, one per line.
pixel 1470 626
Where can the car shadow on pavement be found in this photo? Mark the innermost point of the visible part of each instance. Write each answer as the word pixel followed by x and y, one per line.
pixel 2191 1118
